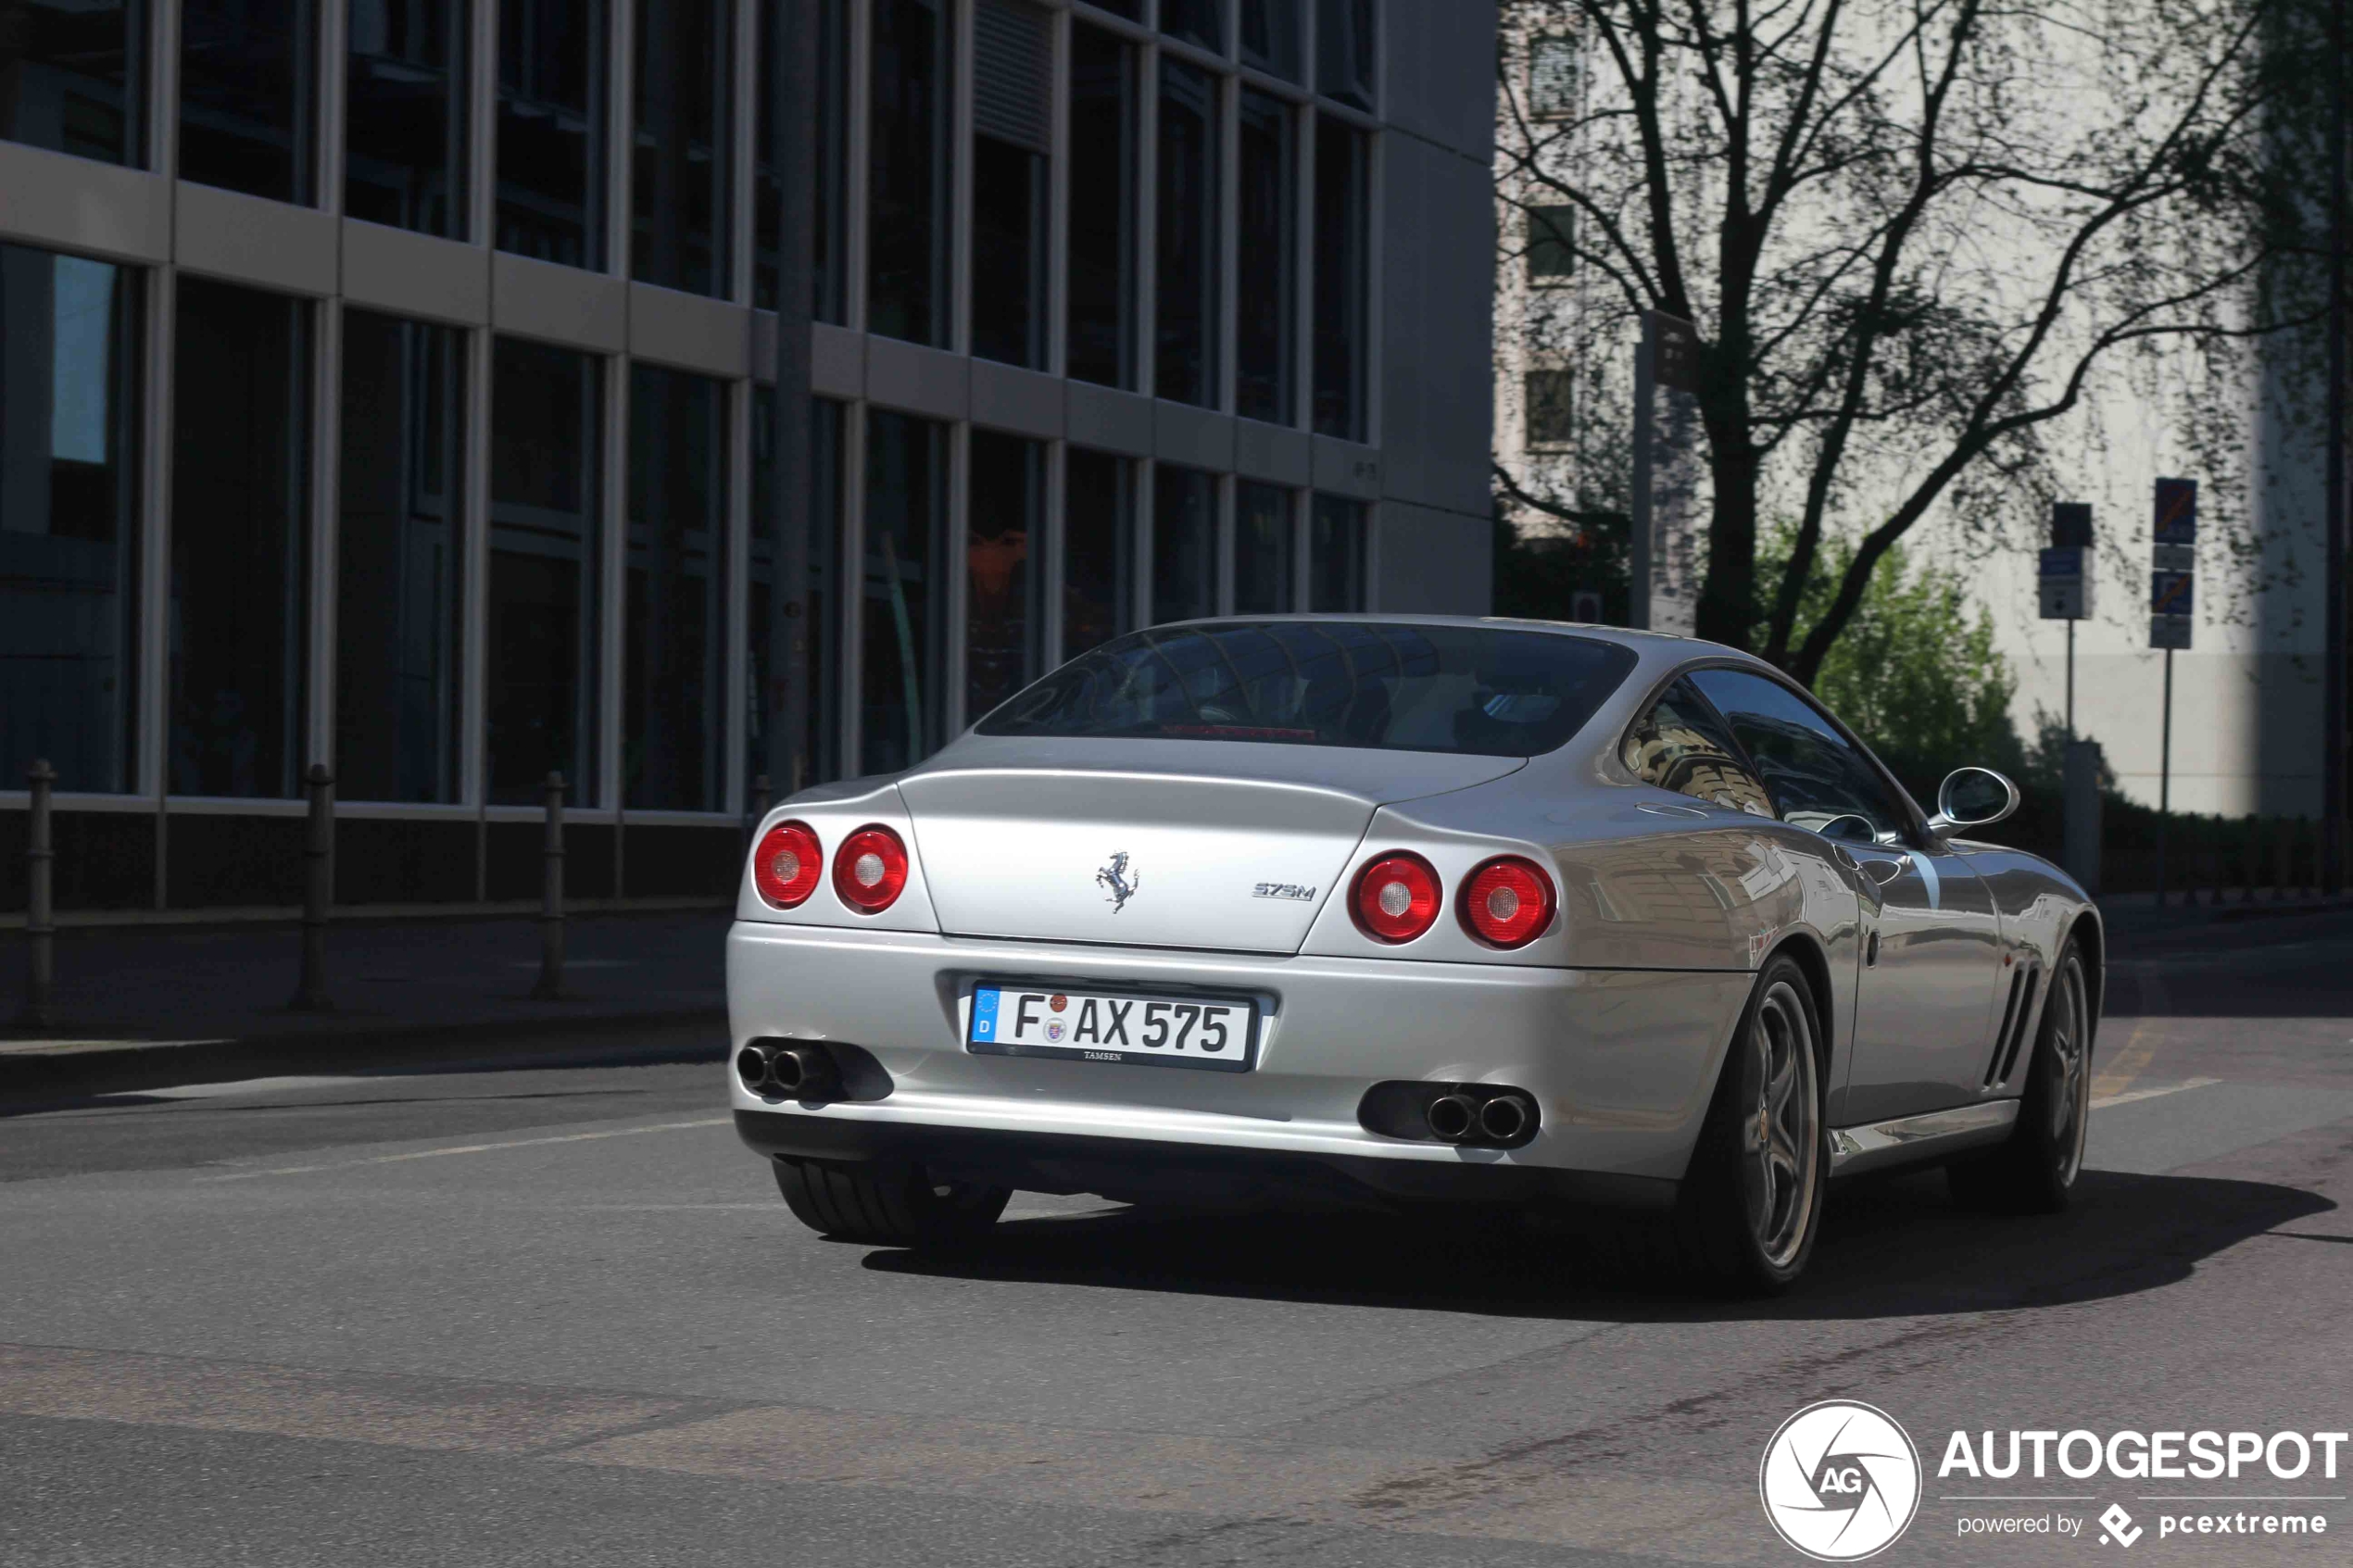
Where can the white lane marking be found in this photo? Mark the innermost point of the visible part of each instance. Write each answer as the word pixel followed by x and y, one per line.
pixel 2128 1095
pixel 471 1149
pixel 243 1087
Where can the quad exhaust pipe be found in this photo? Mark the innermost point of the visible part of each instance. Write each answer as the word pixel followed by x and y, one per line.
pixel 1473 1115
pixel 789 1069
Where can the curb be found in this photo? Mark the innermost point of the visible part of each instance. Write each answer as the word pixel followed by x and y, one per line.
pixel 28 1079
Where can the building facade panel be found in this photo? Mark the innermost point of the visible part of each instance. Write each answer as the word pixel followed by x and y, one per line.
pixel 436 445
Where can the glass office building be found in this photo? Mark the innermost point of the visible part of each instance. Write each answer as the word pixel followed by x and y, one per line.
pixel 391 385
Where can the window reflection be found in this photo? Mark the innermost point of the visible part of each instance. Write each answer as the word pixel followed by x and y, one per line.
pixel 405 129
pixel 1266 266
pixel 1007 509
pixel 69 516
pixel 1265 559
pixel 241 453
pixel 245 95
pixel 1185 369
pixel 1336 556
pixel 400 546
pixel 909 181
pixel 546 440
pixel 1270 36
pixel 551 130
pixel 820 606
pixel 1102 223
pixel 1184 543
pixel 678 181
pixel 72 76
pixel 675 613
pixel 1195 21
pixel 1344 50
pixel 905 609
pixel 1098 530
pixel 1342 156
pixel 1012 128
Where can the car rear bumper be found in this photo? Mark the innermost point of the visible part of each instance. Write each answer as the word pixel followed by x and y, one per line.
pixel 1620 1062
pixel 1140 1169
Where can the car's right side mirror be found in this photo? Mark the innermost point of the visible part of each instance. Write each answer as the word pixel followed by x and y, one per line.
pixel 1973 797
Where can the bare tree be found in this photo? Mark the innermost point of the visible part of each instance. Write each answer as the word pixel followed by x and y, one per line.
pixel 1912 234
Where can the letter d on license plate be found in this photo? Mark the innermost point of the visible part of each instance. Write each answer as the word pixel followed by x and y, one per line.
pixel 1217 1033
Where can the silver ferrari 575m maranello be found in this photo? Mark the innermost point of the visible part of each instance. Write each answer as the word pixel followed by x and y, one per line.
pixel 1406 910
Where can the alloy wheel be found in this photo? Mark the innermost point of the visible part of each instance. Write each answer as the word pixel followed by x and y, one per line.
pixel 1781 1135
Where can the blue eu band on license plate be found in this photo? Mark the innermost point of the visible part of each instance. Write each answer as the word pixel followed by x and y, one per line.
pixel 1215 1033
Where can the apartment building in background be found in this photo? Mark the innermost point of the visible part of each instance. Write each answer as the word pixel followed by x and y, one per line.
pixel 390 384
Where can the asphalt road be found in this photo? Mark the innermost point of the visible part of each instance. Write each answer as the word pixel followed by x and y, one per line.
pixel 512 1316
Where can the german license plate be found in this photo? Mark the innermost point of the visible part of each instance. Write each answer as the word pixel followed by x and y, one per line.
pixel 1219 1034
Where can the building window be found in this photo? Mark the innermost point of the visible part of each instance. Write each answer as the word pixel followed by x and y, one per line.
pixel 829 175
pixel 69 516
pixel 909 177
pixel 80 77
pixel 819 609
pixel 1003 551
pixel 1132 9
pixel 1342 178
pixel 1184 543
pixel 1266 273
pixel 546 462
pixel 1344 50
pixel 1265 559
pixel 1101 225
pixel 1550 253
pixel 400 546
pixel 679 178
pixel 1201 22
pixel 1012 128
pixel 245 97
pixel 1337 557
pixel 905 612
pixel 1099 532
pixel 1552 408
pixel 405 115
pixel 552 81
pixel 1552 77
pixel 1186 368
pixel 1270 36
pixel 673 688
pixel 239 476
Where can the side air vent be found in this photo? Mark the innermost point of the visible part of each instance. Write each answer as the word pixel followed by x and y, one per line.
pixel 2002 1036
pixel 2014 1033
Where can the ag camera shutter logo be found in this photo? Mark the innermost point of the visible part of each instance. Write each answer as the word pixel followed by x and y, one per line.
pixel 1839 1481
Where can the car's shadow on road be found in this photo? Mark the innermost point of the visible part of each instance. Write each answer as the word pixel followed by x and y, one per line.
pixel 1892 1246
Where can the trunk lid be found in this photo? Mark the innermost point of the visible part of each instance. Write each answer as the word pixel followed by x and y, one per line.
pixel 1230 845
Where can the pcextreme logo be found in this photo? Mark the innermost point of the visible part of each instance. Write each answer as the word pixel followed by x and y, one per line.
pixel 1839 1481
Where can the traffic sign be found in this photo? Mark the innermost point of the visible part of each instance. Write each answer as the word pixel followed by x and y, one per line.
pixel 2176 511
pixel 2072 524
pixel 2170 592
pixel 2064 584
pixel 2170 631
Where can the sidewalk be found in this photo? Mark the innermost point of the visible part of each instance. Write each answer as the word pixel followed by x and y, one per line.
pixel 146 1006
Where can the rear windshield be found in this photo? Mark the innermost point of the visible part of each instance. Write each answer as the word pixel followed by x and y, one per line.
pixel 1486 691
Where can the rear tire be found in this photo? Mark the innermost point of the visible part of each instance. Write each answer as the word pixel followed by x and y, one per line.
pixel 2034 1171
pixel 887 1204
pixel 1751 1204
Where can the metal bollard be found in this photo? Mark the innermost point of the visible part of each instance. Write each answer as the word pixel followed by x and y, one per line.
pixel 40 934
pixel 550 987
pixel 317 893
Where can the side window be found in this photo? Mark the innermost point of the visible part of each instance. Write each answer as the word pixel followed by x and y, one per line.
pixel 1817 778
pixel 1680 744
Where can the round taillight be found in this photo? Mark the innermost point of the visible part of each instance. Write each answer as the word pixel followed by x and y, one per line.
pixel 1507 902
pixel 786 864
pixel 1396 896
pixel 870 868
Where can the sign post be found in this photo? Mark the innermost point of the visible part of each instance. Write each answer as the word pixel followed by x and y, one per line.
pixel 1668 358
pixel 2064 589
pixel 2172 583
